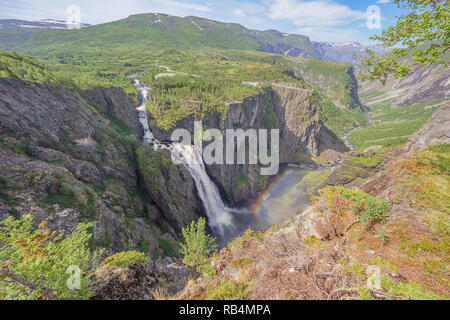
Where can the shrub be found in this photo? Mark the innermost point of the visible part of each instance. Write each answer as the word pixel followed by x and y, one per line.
pixel 227 290
pixel 167 246
pixel 383 237
pixel 38 263
pixel 125 259
pixel 248 234
pixel 197 246
pixel 442 153
pixel 368 208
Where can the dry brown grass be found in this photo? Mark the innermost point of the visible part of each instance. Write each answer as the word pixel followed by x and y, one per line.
pixel 161 293
pixel 281 267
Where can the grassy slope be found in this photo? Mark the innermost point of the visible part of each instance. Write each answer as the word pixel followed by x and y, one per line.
pixel 392 126
pixel 212 59
pixel 147 31
pixel 13 65
pixel 209 76
pixel 11 37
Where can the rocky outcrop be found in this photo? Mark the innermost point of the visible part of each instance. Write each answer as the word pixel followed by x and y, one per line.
pixel 423 84
pixel 140 281
pixel 171 187
pixel 356 169
pixel 301 129
pixel 322 224
pixel 435 131
pixel 68 156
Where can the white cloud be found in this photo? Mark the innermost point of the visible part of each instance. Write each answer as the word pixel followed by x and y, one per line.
pixel 383 1
pixel 96 11
pixel 319 19
pixel 314 13
pixel 184 5
pixel 239 13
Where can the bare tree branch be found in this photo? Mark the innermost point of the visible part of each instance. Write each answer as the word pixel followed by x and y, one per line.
pixel 18 279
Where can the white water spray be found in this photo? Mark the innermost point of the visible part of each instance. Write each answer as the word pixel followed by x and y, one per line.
pixel 219 215
pixel 143 90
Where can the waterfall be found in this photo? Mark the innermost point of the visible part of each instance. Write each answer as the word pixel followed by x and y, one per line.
pixel 148 135
pixel 219 216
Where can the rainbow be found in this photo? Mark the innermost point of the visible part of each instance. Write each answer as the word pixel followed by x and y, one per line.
pixel 269 191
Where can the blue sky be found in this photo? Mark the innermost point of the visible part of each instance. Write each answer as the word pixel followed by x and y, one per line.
pixel 321 20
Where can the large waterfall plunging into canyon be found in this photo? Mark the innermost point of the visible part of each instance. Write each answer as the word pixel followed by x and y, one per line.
pixel 227 223
pixel 219 216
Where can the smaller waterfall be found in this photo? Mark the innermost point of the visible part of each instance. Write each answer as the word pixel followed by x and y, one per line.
pixel 143 90
pixel 345 139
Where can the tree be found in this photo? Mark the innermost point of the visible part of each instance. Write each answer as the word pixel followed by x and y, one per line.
pixel 197 246
pixel 421 36
pixel 40 264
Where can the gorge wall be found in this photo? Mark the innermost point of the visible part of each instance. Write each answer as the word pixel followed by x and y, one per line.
pixel 423 84
pixel 68 156
pixel 287 107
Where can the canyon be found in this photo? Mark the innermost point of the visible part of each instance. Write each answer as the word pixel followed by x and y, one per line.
pixel 86 136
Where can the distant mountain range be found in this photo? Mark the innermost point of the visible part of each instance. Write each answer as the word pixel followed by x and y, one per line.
pixel 165 31
pixel 343 51
pixel 41 24
pixel 14 32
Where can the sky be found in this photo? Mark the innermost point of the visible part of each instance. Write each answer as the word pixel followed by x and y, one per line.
pixel 321 20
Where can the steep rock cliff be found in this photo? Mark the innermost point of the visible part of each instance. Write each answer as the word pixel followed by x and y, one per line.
pixel 435 131
pixel 68 156
pixel 283 106
pixel 423 84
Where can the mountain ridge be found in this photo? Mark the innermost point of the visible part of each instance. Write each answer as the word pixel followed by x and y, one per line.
pixel 172 31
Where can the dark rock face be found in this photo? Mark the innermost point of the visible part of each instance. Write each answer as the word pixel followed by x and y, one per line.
pixel 68 156
pixel 139 282
pixel 134 283
pixel 171 187
pixel 282 106
pixel 423 84
pixel 353 88
pixel 301 129
pixel 435 131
